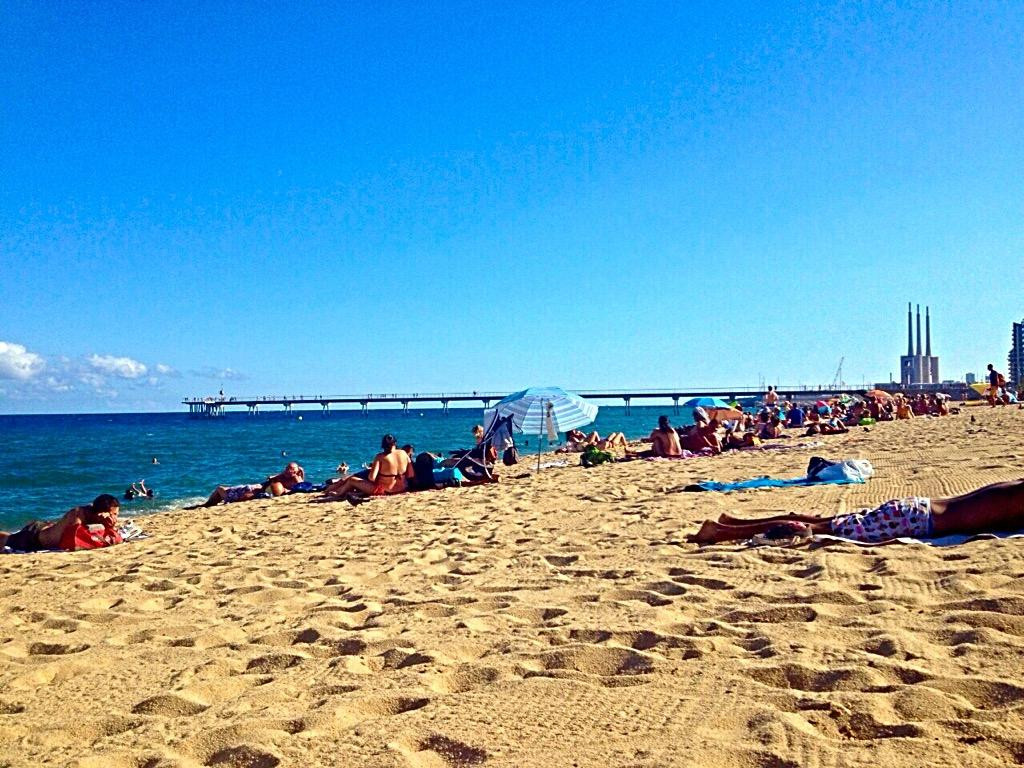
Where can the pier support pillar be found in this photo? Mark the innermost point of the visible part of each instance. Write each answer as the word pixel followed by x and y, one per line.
pixel 405 407
pixel 675 405
pixel 444 407
pixel 626 399
pixel 362 406
pixel 325 408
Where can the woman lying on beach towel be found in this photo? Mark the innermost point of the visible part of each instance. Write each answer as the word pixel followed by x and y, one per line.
pixel 996 507
pixel 87 527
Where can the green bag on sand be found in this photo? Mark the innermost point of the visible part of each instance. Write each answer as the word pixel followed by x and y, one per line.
pixel 592 456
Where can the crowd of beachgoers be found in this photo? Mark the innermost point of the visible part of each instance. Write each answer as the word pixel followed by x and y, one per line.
pixel 398 470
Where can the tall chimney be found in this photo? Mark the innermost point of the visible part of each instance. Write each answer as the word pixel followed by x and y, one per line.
pixel 910 331
pixel 918 330
pixel 927 333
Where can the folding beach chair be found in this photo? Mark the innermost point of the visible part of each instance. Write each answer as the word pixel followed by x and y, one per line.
pixel 498 435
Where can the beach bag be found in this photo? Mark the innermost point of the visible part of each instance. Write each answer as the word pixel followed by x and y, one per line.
pixel 448 476
pixel 510 456
pixel 848 470
pixel 592 456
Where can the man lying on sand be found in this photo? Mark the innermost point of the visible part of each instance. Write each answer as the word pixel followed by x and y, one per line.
pixel 285 480
pixel 996 507
pixel 87 527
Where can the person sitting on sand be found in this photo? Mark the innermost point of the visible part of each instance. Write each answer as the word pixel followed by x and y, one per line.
pixel 903 409
pixel 388 474
pixel 86 527
pixel 665 440
pixel 795 416
pixel 995 507
pixel 771 429
pixel 285 480
pixel 703 438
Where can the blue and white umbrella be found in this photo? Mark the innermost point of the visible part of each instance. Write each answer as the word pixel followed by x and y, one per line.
pixel 705 402
pixel 529 410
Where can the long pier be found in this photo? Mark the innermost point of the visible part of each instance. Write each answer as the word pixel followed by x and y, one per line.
pixel 216 406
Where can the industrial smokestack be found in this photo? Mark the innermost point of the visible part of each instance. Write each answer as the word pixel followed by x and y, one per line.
pixel 918 330
pixel 927 333
pixel 910 331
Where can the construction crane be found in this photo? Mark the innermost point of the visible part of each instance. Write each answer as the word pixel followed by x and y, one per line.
pixel 837 380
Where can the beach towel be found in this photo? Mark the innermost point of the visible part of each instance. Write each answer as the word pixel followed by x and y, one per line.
pixel 819 472
pixel 951 540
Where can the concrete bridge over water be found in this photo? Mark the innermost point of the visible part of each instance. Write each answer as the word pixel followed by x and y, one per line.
pixel 217 405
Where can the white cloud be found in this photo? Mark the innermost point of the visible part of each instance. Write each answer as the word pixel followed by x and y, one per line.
pixel 98 383
pixel 123 367
pixel 16 362
pixel 224 374
pixel 165 370
pixel 57 385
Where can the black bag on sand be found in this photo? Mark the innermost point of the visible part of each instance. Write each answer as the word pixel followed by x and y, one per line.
pixel 510 456
pixel 816 464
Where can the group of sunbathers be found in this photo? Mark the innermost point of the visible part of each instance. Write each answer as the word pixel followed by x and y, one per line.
pixel 395 471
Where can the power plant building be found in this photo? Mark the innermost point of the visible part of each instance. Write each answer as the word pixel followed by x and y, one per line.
pixel 917 367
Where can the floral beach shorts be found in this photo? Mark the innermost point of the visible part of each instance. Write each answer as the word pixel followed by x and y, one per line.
pixel 892 520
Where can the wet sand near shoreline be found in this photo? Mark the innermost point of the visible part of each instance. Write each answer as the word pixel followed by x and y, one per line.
pixel 557 619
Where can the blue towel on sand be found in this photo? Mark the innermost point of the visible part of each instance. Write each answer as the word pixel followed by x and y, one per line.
pixel 768 482
pixel 819 472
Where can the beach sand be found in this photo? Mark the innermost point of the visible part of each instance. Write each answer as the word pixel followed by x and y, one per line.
pixel 552 620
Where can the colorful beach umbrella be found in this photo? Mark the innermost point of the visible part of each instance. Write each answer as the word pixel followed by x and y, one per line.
pixel 715 407
pixel 705 402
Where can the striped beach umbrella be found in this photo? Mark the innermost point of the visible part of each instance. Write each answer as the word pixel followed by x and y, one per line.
pixel 529 410
pixel 537 410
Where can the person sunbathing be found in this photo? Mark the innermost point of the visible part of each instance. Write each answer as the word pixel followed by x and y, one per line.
pixel 772 429
pixel 284 481
pixel 904 411
pixel 738 438
pixel 830 427
pixel 703 437
pixel 86 527
pixel 229 494
pixel 665 440
pixel 389 472
pixel 995 507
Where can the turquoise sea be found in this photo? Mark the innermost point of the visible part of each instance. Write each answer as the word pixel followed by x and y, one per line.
pixel 51 463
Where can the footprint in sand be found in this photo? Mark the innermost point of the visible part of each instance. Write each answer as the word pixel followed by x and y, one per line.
pixel 438 750
pixel 170 705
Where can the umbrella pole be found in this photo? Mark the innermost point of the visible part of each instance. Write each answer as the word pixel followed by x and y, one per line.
pixel 539 436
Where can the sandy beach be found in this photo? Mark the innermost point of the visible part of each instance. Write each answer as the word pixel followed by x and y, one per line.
pixel 556 619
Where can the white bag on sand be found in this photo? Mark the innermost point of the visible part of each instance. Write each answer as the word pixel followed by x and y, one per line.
pixel 850 470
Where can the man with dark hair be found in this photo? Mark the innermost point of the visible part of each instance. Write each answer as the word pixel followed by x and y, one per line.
pixel 86 527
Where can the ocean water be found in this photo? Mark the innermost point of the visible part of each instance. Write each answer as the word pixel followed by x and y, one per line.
pixel 48 464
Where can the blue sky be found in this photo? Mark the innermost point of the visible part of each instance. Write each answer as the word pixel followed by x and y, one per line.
pixel 469 196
